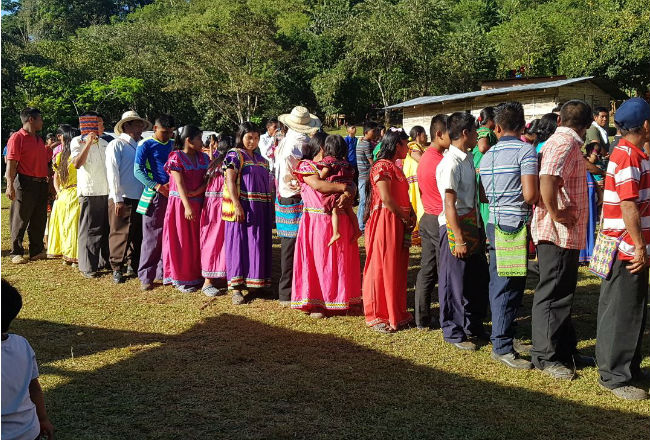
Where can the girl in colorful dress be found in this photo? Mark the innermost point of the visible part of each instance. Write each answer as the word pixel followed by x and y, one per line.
pixel 187 166
pixel 64 220
pixel 390 220
pixel 326 279
pixel 335 168
pixel 213 252
pixel 247 209
pixel 418 138
pixel 486 139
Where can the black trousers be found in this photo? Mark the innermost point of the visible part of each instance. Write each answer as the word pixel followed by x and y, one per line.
pixel 93 233
pixel 28 212
pixel 554 338
pixel 622 313
pixel 428 274
pixel 287 249
pixel 125 237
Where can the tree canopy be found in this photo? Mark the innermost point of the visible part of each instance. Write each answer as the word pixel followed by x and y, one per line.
pixel 219 62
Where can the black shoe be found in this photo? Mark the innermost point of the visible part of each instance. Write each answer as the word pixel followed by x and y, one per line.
pixel 118 278
pixel 90 274
pixel 582 361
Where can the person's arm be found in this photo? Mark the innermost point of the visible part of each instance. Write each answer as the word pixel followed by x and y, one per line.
pixel 632 220
pixel 180 184
pixel 80 159
pixel 451 215
pixel 383 186
pixel 549 188
pixel 57 183
pixel 36 396
pixel 199 191
pixel 483 145
pixel 593 169
pixel 416 156
pixel 324 172
pixel 325 187
pixel 140 172
pixel 12 167
pixel 233 190
pixel 530 188
pixel 367 151
pixel 113 157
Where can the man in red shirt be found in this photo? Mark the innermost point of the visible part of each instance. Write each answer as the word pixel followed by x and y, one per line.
pixel 27 187
pixel 429 228
pixel 624 295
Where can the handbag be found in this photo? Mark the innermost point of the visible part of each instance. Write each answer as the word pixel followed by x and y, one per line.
pixel 510 248
pixel 227 204
pixel 471 234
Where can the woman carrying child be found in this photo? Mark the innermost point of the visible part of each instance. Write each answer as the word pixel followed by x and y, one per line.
pixel 247 209
pixel 187 166
pixel 326 277
pixel 335 168
pixel 212 226
pixel 64 221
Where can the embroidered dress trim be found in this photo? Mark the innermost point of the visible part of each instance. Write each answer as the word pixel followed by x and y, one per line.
pixel 181 282
pixel 248 282
pixel 176 194
pixel 328 305
pixel 215 194
pixel 206 274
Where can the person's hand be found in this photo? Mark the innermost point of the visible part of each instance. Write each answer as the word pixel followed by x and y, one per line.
pixel 91 138
pixel 119 208
pixel 189 213
pixel 640 260
pixel 47 429
pixel 240 216
pixel 164 189
pixel 352 189
pixel 344 199
pixel 196 192
pixel 413 219
pixel 566 216
pixel 460 250
pixel 11 191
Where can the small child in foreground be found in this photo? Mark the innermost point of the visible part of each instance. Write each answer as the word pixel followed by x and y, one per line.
pixel 23 406
pixel 335 168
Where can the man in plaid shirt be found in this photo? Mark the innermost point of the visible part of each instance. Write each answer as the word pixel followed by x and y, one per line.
pixel 559 229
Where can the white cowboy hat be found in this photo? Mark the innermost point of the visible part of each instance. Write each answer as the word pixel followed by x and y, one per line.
pixel 131 116
pixel 300 120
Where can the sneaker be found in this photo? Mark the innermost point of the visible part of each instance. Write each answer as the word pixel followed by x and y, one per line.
pixel 465 345
pixel 512 360
pixel 210 291
pixel 237 298
pixel 146 286
pixel 130 272
pixel 90 275
pixel 118 277
pixel 18 259
pixel 187 289
pixel 521 347
pixel 627 392
pixel 41 256
pixel 559 372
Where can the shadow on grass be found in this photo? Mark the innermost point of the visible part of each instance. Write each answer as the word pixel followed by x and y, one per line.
pixel 232 377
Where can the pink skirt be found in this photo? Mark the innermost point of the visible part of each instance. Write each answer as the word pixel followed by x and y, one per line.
pixel 213 252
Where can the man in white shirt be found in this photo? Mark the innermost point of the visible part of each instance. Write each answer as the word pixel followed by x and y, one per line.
pixel 288 207
pixel 124 191
pixel 266 142
pixel 463 272
pixel 88 154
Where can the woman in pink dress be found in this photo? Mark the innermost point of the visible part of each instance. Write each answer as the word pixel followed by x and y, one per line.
pixel 326 279
pixel 212 227
pixel 390 221
pixel 187 166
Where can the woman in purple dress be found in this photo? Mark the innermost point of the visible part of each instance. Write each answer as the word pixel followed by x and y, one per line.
pixel 247 210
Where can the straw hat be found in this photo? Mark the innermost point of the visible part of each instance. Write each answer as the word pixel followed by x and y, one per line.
pixel 300 120
pixel 130 116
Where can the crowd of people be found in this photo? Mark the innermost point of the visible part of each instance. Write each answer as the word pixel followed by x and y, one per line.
pixel 479 195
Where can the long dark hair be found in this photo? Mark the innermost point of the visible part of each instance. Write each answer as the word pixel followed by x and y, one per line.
pixel 183 133
pixel 544 129
pixel 335 146
pixel 388 149
pixel 67 132
pixel 245 128
pixel 315 144
pixel 416 131
pixel 214 169
pixel 487 114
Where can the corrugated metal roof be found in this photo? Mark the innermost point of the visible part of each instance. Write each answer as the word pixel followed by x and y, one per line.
pixel 460 96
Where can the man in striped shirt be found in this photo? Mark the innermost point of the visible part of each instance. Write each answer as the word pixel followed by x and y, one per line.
pixel 624 296
pixel 509 178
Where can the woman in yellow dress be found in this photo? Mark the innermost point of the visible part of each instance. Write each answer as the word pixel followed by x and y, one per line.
pixel 418 137
pixel 63 230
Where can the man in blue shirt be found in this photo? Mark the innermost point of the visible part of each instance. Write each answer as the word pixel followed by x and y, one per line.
pixel 510 181
pixel 149 168
pixel 124 191
pixel 351 141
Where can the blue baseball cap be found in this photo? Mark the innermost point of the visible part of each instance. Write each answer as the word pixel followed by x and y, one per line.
pixel 632 113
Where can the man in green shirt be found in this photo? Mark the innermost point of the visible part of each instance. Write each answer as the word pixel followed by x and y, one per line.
pixel 598 130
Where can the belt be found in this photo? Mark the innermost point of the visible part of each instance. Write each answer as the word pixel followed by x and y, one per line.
pixel 33 179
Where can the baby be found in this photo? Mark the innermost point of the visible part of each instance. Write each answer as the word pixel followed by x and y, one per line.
pixel 335 168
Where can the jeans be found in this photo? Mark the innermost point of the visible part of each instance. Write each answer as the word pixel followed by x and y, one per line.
pixel 363 182
pixel 506 294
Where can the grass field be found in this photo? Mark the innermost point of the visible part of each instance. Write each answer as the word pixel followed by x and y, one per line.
pixel 117 363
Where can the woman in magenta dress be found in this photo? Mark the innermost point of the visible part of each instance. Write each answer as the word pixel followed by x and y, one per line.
pixel 326 279
pixel 213 228
pixel 390 221
pixel 247 209
pixel 187 166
